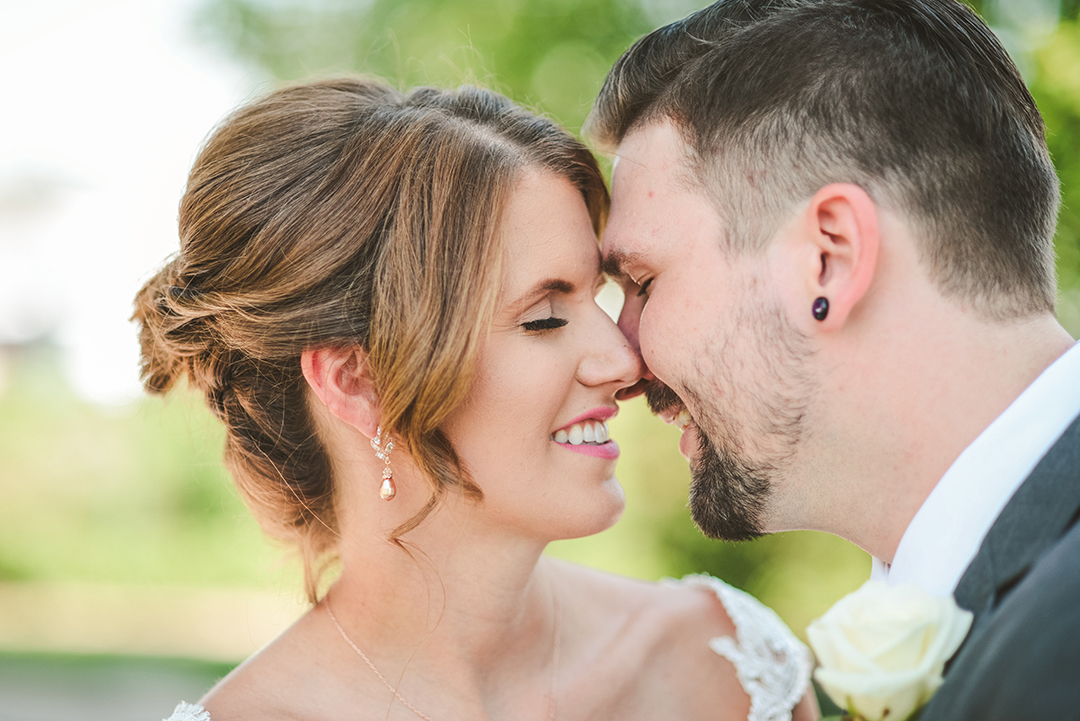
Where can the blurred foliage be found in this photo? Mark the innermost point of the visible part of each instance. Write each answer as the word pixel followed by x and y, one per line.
pixel 1056 87
pixel 135 494
pixel 551 54
pixel 44 686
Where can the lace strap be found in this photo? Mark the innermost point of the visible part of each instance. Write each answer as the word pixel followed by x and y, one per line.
pixel 772 665
pixel 189 712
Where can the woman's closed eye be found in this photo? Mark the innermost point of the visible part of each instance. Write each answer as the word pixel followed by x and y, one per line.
pixel 543 324
pixel 644 289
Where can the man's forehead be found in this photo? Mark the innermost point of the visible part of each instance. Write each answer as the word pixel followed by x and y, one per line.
pixel 649 163
pixel 657 145
pixel 652 167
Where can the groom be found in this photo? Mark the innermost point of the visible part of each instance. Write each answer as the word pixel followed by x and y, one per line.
pixel 833 220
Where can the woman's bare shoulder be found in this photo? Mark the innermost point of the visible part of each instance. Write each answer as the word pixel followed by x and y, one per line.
pixel 279 683
pixel 652 611
pixel 649 643
pixel 250 691
pixel 693 648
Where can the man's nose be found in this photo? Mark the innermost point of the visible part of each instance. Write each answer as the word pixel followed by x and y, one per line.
pixel 630 321
pixel 629 324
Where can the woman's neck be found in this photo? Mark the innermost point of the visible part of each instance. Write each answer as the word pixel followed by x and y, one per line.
pixel 453 606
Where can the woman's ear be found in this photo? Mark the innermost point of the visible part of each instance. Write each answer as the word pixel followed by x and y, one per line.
pixel 843 239
pixel 340 378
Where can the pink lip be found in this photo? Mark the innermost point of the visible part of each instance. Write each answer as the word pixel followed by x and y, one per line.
pixel 688 441
pixel 602 413
pixel 609 450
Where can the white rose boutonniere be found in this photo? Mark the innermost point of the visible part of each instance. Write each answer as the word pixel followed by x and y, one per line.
pixel 882 649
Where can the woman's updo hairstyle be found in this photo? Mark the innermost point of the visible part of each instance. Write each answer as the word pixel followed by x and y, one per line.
pixel 343 213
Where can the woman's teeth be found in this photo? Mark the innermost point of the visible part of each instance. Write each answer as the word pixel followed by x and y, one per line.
pixel 584 432
pixel 683 419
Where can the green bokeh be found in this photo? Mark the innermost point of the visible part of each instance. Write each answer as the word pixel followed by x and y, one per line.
pixel 547 54
pixel 116 495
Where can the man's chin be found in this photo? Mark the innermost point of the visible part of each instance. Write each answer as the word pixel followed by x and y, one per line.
pixel 727 495
pixel 715 523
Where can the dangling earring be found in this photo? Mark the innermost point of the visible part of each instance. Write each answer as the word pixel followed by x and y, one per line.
pixel 820 308
pixel 387 490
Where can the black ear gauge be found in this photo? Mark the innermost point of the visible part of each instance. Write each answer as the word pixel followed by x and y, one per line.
pixel 821 308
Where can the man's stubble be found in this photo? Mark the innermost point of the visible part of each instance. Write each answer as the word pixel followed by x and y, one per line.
pixel 748 432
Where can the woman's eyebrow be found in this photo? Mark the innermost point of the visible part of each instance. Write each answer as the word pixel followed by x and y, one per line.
pixel 556 285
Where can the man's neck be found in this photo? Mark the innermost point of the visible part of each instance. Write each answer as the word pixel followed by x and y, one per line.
pixel 932 387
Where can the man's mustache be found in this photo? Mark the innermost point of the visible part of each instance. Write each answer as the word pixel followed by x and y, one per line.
pixel 660 397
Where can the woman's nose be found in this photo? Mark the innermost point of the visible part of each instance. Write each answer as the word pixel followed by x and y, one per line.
pixel 611 359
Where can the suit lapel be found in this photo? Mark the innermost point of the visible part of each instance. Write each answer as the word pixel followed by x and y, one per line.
pixel 1038 514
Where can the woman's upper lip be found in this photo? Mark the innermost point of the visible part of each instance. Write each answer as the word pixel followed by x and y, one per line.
pixel 596 414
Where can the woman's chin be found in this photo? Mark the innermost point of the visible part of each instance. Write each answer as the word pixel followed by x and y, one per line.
pixel 607 510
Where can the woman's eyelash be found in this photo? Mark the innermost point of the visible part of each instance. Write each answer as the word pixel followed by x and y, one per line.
pixel 644 287
pixel 544 324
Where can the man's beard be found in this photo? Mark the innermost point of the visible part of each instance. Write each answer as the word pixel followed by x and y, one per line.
pixel 727 493
pixel 660 397
pixel 729 490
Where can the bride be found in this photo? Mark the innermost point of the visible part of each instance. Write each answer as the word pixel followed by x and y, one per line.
pixel 388 301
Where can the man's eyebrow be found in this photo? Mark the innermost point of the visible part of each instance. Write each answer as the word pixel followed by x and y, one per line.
pixel 616 261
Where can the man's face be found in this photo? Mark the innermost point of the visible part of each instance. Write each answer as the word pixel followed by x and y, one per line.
pixel 710 326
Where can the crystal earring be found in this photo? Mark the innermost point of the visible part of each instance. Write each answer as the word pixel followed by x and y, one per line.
pixel 820 308
pixel 387 490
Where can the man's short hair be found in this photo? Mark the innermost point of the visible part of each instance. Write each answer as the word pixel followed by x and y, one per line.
pixel 913 100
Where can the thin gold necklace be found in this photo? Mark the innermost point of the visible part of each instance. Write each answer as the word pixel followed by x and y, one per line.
pixel 556 610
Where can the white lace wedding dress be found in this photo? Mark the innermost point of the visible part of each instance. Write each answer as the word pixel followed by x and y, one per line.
pixel 770 663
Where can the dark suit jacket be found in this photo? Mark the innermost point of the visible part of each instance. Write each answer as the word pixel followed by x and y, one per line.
pixel 1021 659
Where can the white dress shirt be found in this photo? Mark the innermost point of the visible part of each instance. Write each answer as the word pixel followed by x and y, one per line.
pixel 946 532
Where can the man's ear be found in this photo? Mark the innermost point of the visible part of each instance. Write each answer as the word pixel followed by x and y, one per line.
pixel 340 378
pixel 843 239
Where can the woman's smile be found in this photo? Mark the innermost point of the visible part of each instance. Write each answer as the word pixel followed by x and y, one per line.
pixel 588 434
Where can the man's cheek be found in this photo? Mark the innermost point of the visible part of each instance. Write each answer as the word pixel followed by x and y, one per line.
pixel 655 344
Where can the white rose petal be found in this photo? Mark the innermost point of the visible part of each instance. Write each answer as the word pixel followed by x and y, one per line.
pixel 882 649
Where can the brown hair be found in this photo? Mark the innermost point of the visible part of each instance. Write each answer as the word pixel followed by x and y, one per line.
pixel 343 213
pixel 913 100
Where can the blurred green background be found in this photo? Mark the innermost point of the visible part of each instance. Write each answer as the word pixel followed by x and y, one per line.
pixel 98 501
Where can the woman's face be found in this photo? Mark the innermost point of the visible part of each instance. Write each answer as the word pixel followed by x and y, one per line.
pixel 532 429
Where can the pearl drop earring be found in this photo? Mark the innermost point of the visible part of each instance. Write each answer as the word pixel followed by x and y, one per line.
pixel 387 490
